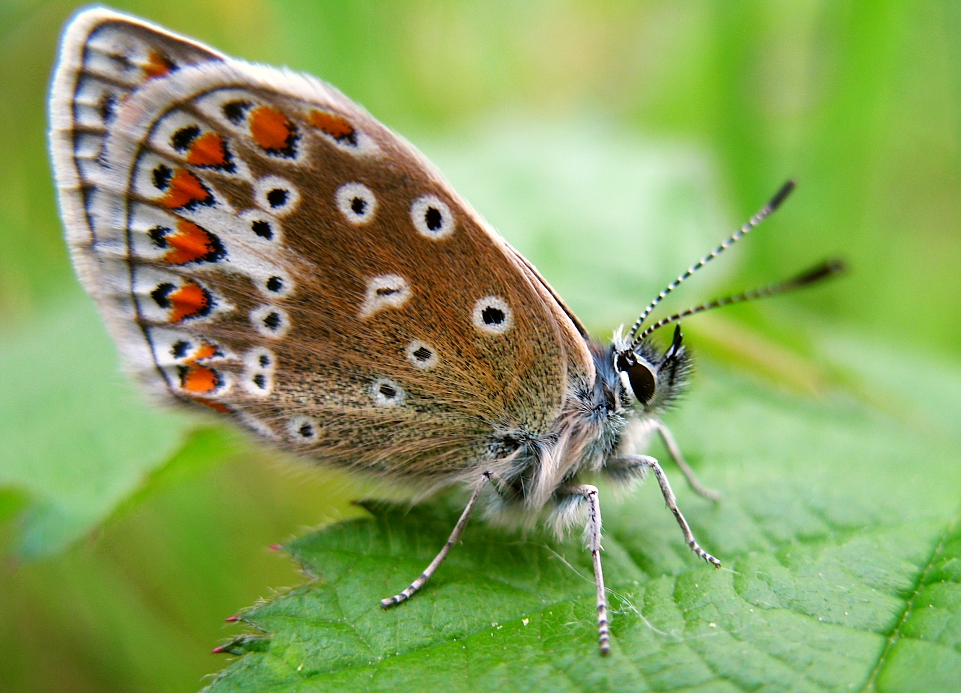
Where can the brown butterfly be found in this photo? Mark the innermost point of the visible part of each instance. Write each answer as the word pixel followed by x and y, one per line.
pixel 260 246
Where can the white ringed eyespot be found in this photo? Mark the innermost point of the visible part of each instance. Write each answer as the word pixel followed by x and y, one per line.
pixel 260 359
pixel 492 314
pixel 384 291
pixel 259 372
pixel 386 392
pixel 273 281
pixel 258 383
pixel 260 228
pixel 270 321
pixel 432 217
pixel 356 202
pixel 276 195
pixel 302 429
pixel 275 284
pixel 421 354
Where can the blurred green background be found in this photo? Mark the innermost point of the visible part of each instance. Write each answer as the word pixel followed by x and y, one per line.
pixel 612 143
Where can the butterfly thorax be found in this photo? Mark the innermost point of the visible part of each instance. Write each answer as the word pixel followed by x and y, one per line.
pixel 534 474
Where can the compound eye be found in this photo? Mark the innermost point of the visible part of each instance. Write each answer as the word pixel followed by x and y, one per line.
pixel 643 381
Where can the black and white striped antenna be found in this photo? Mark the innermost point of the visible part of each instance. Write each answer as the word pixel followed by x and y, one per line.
pixel 762 214
pixel 819 272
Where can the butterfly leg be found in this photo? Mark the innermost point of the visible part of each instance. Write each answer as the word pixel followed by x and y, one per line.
pixel 589 493
pixel 675 452
pixel 435 564
pixel 641 463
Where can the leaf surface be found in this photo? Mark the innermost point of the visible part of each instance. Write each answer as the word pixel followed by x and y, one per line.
pixel 838 529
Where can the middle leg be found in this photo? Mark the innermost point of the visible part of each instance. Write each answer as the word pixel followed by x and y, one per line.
pixel 589 493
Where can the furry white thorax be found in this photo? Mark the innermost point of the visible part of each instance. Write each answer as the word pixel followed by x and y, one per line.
pixel 536 482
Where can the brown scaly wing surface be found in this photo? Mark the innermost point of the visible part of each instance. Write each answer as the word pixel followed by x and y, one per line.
pixel 260 245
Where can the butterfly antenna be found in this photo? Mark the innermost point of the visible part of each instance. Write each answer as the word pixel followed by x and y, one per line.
pixel 820 272
pixel 762 214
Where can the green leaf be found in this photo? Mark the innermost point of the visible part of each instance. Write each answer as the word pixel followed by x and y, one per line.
pixel 77 438
pixel 838 530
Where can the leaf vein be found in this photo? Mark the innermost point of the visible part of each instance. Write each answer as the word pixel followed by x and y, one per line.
pixel 896 633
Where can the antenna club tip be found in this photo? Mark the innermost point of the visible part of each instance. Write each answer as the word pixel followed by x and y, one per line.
pixel 838 265
pixel 824 270
pixel 782 194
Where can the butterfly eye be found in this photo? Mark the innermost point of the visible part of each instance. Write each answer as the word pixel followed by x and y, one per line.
pixel 356 202
pixel 432 217
pixel 492 314
pixel 276 195
pixel 422 355
pixel 639 375
pixel 302 429
pixel 387 393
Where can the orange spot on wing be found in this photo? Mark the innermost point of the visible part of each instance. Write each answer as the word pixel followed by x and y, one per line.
pixel 199 380
pixel 205 351
pixel 157 65
pixel 189 243
pixel 188 301
pixel 334 125
pixel 183 189
pixel 270 128
pixel 208 150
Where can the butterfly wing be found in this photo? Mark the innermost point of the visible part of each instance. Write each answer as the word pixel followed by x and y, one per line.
pixel 260 245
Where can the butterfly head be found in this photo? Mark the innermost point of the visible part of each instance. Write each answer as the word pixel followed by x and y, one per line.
pixel 655 379
pixel 650 378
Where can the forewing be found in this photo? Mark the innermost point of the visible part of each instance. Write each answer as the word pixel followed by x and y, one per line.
pixel 260 245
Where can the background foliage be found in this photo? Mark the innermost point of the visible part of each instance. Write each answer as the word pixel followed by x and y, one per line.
pixel 612 143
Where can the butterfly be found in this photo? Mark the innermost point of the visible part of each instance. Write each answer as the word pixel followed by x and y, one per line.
pixel 260 246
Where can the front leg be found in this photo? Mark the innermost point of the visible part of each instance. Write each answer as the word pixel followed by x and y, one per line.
pixel 675 452
pixel 637 466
